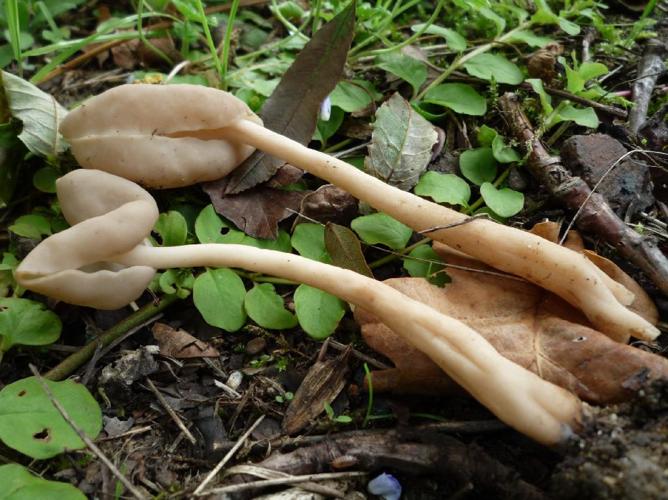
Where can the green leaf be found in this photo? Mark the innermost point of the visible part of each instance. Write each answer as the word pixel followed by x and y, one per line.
pixel 545 99
pixel 31 226
pixel 39 112
pixel 309 240
pixel 266 308
pixel 292 109
pixel 494 66
pixel 405 67
pixel 30 424
pixel 506 202
pixel 585 117
pixel 353 95
pixel 280 244
pixel 211 228
pixel 486 135
pixel 219 297
pixel 318 312
pixel 172 228
pixel 19 484
pixel 345 249
pixel 176 281
pixel 383 229
pixel 530 38
pixel 444 188
pixel 590 70
pixel 459 97
pixel 502 152
pixel 454 40
pixel 45 179
pixel 423 262
pixel 26 322
pixel 401 144
pixel 568 26
pixel 326 129
pixel 478 165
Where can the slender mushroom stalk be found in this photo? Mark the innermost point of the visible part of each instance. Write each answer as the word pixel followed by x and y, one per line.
pixel 111 218
pixel 175 135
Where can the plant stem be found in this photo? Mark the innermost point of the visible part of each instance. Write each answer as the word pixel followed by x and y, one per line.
pixel 478 203
pixel 457 63
pixel 395 255
pixel 74 361
pixel 209 41
pixel 228 39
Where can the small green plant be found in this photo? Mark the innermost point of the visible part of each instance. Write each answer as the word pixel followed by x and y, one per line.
pixel 339 419
pixel 285 398
pixel 19 483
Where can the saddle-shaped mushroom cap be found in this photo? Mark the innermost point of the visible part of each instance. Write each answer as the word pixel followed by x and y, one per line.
pixel 158 135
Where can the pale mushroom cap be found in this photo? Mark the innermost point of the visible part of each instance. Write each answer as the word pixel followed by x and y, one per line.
pixel 158 135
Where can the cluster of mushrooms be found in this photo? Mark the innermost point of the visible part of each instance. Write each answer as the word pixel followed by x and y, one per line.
pixel 177 135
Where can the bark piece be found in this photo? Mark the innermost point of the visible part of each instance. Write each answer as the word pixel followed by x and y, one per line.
pixel 180 344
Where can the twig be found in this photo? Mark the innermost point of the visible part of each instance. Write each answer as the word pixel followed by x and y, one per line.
pixel 594 215
pixel 359 355
pixel 564 94
pixel 82 435
pixel 76 360
pixel 649 68
pixel 131 432
pixel 170 411
pixel 227 456
pixel 234 488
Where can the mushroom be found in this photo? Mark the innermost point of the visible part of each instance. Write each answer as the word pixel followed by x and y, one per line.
pixel 174 135
pixel 101 261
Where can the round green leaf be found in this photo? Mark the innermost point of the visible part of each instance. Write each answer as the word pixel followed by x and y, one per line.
pixel 502 152
pixel 30 423
pixel 280 244
pixel 266 308
pixel 488 66
pixel 219 297
pixel 405 67
pixel 585 117
pixel 459 97
pixel 31 226
pixel 26 322
pixel 318 312
pixel 478 165
pixel 350 96
pixel 45 179
pixel 444 188
pixel 383 229
pixel 506 202
pixel 172 228
pixel 454 40
pixel 423 262
pixel 211 228
pixel 19 484
pixel 309 240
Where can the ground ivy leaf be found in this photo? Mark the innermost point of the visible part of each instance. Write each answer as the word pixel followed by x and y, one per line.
pixel 309 240
pixel 18 483
pixel 211 228
pixel 30 423
pixel 401 144
pixel 26 322
pixel 405 67
pixel 454 40
pixel 459 97
pixel 585 117
pixel 444 188
pixel 266 308
pixel 478 165
pixel 172 228
pixel 488 66
pixel 39 112
pixel 219 297
pixel 318 312
pixel 383 229
pixel 424 262
pixel 345 249
pixel 31 226
pixel 506 202
pixel 292 109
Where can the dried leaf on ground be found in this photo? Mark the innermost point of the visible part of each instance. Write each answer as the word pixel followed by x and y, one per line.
pixel 322 384
pixel 257 212
pixel 292 109
pixel 328 203
pixel 401 144
pixel 180 344
pixel 524 323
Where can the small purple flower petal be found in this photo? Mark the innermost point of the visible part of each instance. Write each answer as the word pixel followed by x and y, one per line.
pixel 385 486
pixel 326 109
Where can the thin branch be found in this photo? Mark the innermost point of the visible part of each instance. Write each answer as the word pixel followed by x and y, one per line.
pixel 170 411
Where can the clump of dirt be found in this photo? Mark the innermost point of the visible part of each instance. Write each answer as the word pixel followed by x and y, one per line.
pixel 623 453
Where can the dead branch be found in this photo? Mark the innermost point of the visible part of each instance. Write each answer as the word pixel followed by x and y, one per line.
pixel 596 217
pixel 650 68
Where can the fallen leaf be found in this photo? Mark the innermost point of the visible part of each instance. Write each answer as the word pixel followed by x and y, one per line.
pixel 292 109
pixel 285 175
pixel 328 203
pixel 533 328
pixel 401 144
pixel 345 249
pixel 180 344
pixel 322 384
pixel 257 212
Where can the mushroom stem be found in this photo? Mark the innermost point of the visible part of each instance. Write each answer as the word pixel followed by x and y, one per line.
pixel 558 269
pixel 518 397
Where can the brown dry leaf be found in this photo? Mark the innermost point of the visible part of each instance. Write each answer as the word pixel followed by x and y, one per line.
pixel 256 211
pixel 328 203
pixel 524 323
pixel 324 381
pixel 180 344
